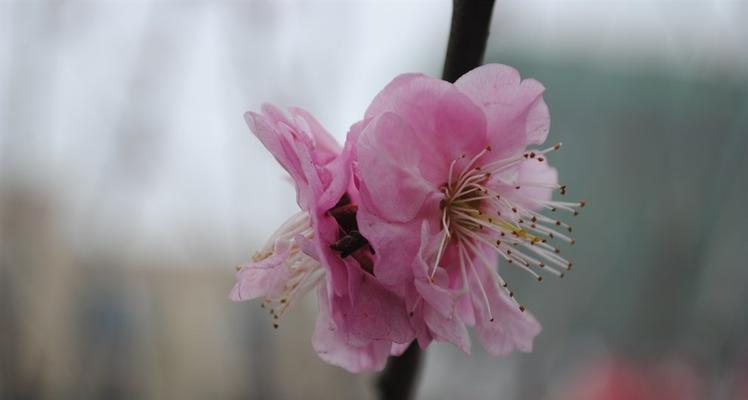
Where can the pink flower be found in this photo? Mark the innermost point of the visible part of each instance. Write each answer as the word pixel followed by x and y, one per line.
pixel 447 188
pixel 617 378
pixel 320 248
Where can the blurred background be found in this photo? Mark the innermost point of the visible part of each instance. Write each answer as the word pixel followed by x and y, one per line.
pixel 130 187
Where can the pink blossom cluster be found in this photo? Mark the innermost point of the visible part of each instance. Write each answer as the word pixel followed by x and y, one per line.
pixel 401 230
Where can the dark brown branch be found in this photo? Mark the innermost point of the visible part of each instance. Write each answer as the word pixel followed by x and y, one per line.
pixel 397 381
pixel 467 43
pixel 467 38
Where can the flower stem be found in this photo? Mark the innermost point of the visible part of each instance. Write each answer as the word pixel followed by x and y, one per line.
pixel 467 43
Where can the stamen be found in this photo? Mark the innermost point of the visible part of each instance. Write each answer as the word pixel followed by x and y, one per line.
pixel 475 212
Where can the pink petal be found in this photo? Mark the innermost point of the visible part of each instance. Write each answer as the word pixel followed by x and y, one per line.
pixel 445 122
pixel 331 344
pixel 510 329
pixel 399 348
pixel 515 111
pixel 532 171
pixel 325 146
pixel 434 291
pixel 395 244
pixel 263 278
pixel 376 313
pixel 387 159
pixel 450 329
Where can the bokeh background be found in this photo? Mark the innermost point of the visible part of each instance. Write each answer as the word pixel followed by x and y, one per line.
pixel 130 187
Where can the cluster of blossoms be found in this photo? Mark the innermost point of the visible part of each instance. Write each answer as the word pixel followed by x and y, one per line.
pixel 402 229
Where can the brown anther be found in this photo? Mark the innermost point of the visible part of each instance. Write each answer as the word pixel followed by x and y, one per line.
pixel 561 276
pixel 582 204
pixel 490 220
pixel 262 305
pixel 553 209
pixel 573 241
pixel 522 308
pixel 540 278
pixel 541 159
pixel 502 234
pixel 511 294
pixel 532 155
pixel 550 235
pixel 491 320
pixel 498 242
pixel 575 213
pixel 514 209
pixel 509 261
pixel 508 252
pixel 557 250
pixel 275 326
pixel 533 219
pixel 557 146
pixel 558 223
pixel 411 313
pixel 488 147
pixel 541 265
pixel 283 301
pixel 568 229
pixel 517 187
pixel 504 284
pixel 238 268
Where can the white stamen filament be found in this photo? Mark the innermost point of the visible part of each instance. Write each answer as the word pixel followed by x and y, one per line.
pixel 304 271
pixel 482 211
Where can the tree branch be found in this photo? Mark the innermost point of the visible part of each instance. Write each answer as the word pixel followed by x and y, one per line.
pixel 467 38
pixel 397 381
pixel 467 43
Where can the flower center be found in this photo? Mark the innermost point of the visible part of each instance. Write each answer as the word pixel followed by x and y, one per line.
pixel 484 210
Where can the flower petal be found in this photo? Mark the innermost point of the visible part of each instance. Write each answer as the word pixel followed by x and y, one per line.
pixel 395 245
pixel 376 313
pixel 325 146
pixel 450 329
pixel 262 278
pixel 510 328
pixel 387 160
pixel 446 123
pixel 331 344
pixel 514 108
pixel 535 173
